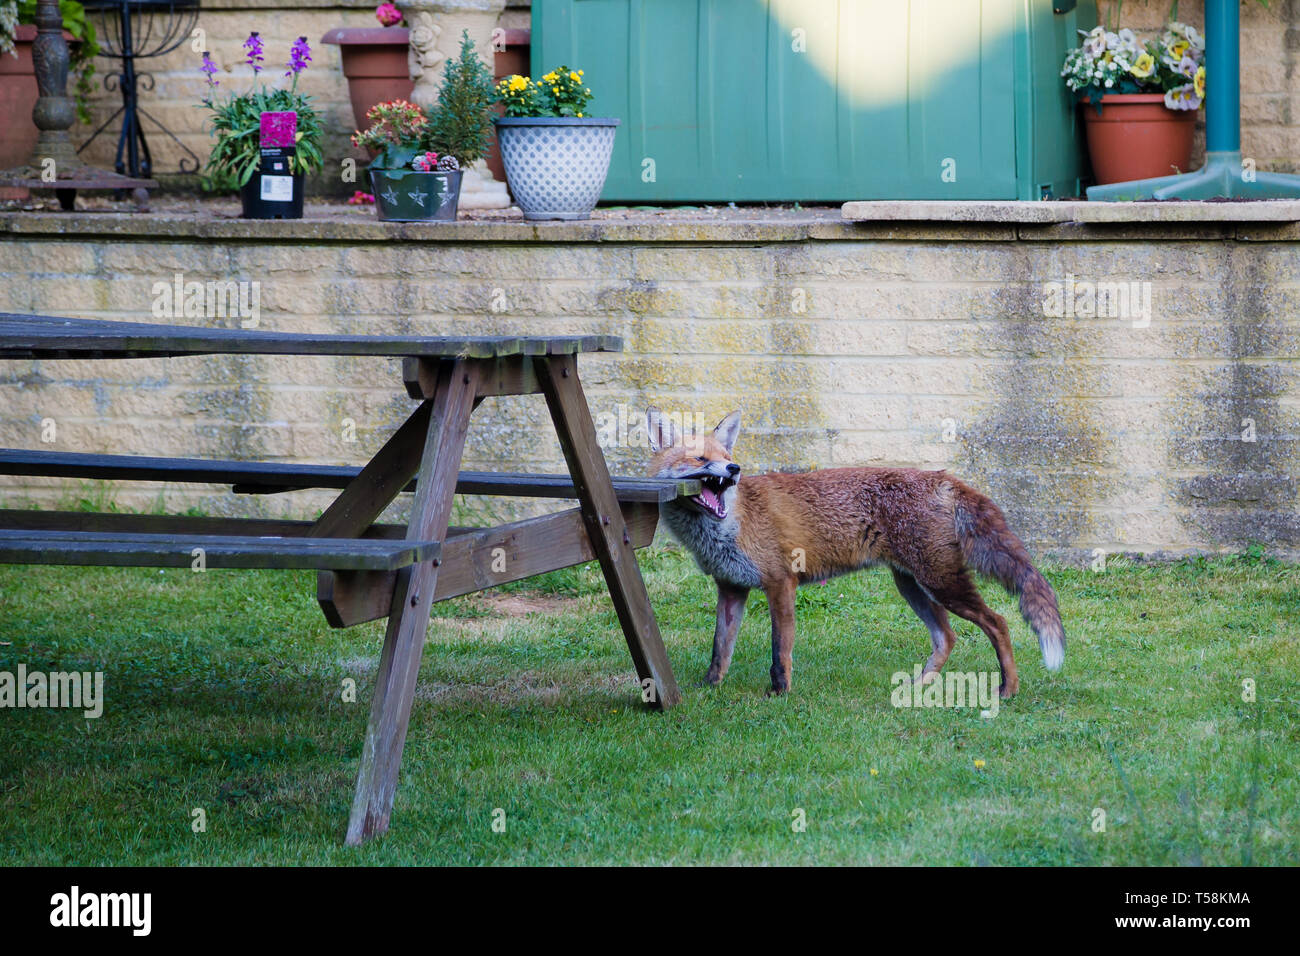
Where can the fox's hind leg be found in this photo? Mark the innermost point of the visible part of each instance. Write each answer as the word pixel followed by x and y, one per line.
pixel 958 594
pixel 933 616
pixel 731 607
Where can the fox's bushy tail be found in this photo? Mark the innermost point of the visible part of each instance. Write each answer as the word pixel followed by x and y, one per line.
pixel 991 548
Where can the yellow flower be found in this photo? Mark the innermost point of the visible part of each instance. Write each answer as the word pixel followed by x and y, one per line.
pixel 550 77
pixel 573 76
pixel 1178 49
pixel 979 764
pixel 875 772
pixel 518 83
pixel 579 114
pixel 580 72
pixel 1199 81
pixel 1143 66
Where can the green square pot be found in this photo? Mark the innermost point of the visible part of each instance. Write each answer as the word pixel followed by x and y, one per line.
pixel 405 195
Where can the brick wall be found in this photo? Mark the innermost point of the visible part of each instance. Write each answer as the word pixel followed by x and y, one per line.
pixel 1270 74
pixel 884 344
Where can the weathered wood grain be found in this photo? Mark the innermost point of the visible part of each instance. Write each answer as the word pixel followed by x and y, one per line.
pixel 605 527
pixel 258 477
pixel 124 549
pixel 37 336
pixel 469 562
pixel 408 619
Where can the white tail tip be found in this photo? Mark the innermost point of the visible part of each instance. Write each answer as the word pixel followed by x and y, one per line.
pixel 1053 655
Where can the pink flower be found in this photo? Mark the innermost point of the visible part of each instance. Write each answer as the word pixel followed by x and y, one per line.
pixel 426 163
pixel 361 199
pixel 388 15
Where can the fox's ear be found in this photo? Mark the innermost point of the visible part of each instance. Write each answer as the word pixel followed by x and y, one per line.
pixel 660 429
pixel 728 431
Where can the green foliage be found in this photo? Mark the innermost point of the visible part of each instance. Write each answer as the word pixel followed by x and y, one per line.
pixel 397 131
pixel 8 22
pixel 236 124
pixel 461 123
pixel 219 182
pixel 559 93
pixel 83 53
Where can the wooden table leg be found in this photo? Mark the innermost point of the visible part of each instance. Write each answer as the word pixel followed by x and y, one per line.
pixel 603 518
pixel 380 481
pixel 408 620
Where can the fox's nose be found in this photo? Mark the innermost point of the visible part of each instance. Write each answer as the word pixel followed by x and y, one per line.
pixel 733 470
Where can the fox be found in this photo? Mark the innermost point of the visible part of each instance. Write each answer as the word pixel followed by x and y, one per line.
pixel 777 531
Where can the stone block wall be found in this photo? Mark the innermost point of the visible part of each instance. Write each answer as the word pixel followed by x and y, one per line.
pixel 927 344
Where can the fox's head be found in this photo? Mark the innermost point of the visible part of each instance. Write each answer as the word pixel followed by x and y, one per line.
pixel 706 457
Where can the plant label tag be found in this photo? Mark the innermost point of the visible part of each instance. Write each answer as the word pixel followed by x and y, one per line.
pixel 277 188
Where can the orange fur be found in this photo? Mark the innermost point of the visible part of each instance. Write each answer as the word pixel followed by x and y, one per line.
pixel 778 531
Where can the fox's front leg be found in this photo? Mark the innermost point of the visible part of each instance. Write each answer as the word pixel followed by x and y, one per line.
pixel 731 607
pixel 780 601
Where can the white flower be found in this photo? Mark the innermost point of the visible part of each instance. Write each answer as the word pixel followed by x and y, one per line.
pixel 1183 98
pixel 1095 44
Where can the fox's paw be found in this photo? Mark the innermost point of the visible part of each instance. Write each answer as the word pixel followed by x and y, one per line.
pixel 780 674
pixel 1009 689
pixel 928 677
pixel 712 678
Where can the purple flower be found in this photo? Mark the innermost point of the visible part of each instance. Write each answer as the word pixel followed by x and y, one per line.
pixel 254 47
pixel 299 57
pixel 208 68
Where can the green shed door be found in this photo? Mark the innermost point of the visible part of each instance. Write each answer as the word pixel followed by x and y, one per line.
pixel 813 100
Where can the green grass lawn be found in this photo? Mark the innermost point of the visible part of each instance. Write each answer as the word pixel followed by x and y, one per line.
pixel 224 691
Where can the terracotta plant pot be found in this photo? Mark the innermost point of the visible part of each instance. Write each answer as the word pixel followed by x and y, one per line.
pixel 1137 137
pixel 375 64
pixel 18 95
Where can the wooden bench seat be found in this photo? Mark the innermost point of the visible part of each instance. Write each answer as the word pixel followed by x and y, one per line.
pixel 123 549
pixel 258 477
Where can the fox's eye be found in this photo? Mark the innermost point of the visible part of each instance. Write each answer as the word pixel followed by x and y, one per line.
pixel 700 460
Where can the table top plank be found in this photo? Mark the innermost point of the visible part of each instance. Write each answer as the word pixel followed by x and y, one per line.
pixel 46 337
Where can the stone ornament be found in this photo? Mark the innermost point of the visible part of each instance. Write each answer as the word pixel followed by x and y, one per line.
pixel 436 27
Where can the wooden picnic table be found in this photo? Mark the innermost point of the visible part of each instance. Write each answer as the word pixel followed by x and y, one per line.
pixel 367 571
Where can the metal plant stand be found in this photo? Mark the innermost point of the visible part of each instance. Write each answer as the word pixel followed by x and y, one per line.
pixel 54 164
pixel 1223 176
pixel 131 30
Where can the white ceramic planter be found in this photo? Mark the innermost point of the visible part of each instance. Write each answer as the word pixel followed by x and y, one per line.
pixel 556 166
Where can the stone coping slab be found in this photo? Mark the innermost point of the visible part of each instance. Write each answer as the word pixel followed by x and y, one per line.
pixel 888 210
pixel 875 220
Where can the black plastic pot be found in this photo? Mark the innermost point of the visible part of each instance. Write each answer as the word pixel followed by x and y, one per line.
pixel 268 196
pixel 405 195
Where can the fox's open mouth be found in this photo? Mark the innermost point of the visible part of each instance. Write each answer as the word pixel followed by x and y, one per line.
pixel 710 497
